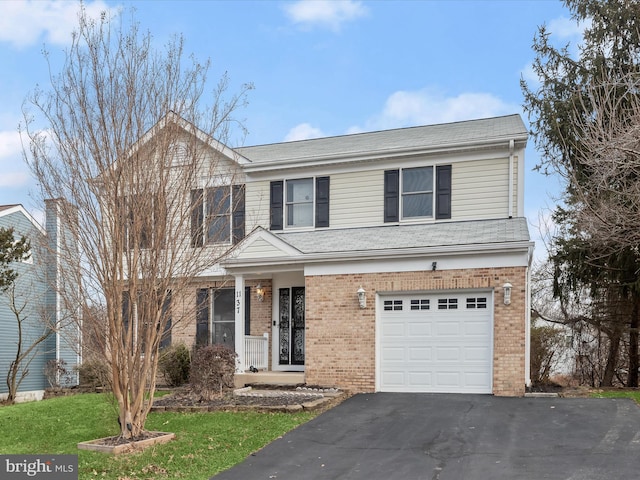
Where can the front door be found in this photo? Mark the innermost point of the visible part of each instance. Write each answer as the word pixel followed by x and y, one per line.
pixel 291 327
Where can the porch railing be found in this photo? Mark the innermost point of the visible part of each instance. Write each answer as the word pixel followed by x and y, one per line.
pixel 256 352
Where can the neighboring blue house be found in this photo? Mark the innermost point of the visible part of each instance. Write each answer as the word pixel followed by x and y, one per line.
pixel 40 303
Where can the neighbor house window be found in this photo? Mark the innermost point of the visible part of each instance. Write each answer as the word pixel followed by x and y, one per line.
pixel 420 192
pixel 217 215
pixel 300 202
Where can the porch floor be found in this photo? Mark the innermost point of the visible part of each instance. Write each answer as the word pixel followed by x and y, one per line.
pixel 268 378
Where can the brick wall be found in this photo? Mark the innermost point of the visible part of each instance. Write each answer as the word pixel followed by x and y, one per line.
pixel 340 337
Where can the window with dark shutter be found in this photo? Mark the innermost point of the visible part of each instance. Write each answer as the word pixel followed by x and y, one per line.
pixel 276 205
pixel 238 213
pixel 391 195
pixel 322 201
pixel 443 191
pixel 197 217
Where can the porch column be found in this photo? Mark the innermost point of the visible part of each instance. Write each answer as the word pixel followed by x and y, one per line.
pixel 239 322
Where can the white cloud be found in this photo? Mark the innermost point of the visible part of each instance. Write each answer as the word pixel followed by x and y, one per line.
pixel 427 106
pixel 566 28
pixel 324 13
pixel 13 172
pixel 303 131
pixel 24 22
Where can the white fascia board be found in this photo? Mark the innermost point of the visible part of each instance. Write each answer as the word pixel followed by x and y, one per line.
pixel 520 249
pixel 341 158
pixel 191 129
pixel 418 264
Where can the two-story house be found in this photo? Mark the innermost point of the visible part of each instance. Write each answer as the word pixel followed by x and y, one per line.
pixel 37 300
pixel 391 261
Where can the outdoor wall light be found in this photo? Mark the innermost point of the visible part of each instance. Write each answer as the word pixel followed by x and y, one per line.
pixel 260 292
pixel 362 297
pixel 507 293
pixel 434 266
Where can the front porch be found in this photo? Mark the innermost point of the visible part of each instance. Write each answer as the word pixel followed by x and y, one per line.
pixel 255 367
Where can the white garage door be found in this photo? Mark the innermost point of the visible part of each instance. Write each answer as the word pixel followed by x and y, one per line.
pixel 439 343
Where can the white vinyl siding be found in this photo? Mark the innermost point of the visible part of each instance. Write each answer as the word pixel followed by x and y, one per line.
pixel 261 249
pixel 256 205
pixel 357 199
pixel 480 189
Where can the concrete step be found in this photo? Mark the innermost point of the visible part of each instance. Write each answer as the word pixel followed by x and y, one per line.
pixel 268 378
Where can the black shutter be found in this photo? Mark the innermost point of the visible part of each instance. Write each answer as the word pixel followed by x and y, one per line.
pixel 238 213
pixel 276 202
pixel 392 196
pixel 443 191
pixel 322 202
pixel 165 340
pixel 197 217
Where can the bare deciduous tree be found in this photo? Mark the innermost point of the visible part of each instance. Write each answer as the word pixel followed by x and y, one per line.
pixel 116 138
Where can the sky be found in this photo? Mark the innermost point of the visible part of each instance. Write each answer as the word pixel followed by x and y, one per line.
pixel 319 67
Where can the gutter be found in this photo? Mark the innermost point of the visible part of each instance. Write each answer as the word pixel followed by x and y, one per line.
pixel 335 159
pixel 387 254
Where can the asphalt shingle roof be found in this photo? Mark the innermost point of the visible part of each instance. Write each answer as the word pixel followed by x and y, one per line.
pixel 429 136
pixel 409 236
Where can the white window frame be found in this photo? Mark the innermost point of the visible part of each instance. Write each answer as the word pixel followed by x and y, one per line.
pixel 288 204
pixel 404 194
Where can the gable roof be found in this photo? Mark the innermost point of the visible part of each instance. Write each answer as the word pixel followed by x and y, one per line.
pixel 6 210
pixel 387 143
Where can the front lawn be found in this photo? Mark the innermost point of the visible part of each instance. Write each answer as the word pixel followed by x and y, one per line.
pixel 206 443
pixel 633 394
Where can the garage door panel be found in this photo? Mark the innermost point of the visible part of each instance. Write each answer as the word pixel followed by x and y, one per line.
pixel 391 354
pixel 477 354
pixel 447 329
pixel 421 329
pixel 417 379
pixel 448 354
pixel 419 354
pixel 437 343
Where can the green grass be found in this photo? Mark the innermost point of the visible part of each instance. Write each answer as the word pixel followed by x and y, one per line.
pixel 633 394
pixel 206 443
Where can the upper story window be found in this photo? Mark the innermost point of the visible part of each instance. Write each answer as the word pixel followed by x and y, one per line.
pixel 300 202
pixel 217 215
pixel 417 192
pixel 420 192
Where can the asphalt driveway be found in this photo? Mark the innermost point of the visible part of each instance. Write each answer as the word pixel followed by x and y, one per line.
pixel 455 437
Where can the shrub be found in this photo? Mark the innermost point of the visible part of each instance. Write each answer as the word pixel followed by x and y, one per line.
pixel 174 364
pixel 212 369
pixel 57 373
pixel 94 373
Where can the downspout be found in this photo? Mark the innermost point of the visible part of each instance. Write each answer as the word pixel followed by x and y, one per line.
pixel 527 321
pixel 511 148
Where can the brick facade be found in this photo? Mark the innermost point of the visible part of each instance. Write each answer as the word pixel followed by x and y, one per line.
pixel 340 341
pixel 340 337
